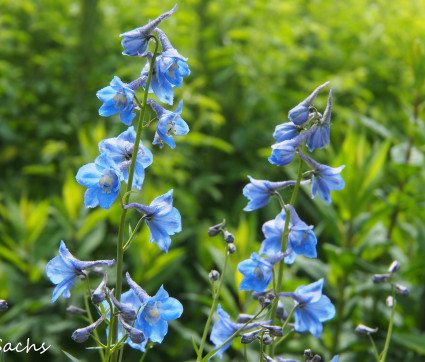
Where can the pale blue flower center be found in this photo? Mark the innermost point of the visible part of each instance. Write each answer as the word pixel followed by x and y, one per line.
pixel 119 99
pixel 258 273
pixel 107 180
pixel 153 314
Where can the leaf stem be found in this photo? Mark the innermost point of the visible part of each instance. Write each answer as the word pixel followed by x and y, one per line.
pixel 390 329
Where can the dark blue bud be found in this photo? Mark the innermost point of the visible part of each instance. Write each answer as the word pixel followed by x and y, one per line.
pixel 124 309
pixel 244 318
pixel 365 330
pixel 82 334
pixel 380 278
pixel 267 340
pixel 214 275
pixel 135 335
pixel 250 337
pixel 274 330
pixel 99 295
pixel 216 229
pixel 394 267
pixel 3 304
pixel 231 248
pixel 75 310
pixel 401 289
pixel 228 237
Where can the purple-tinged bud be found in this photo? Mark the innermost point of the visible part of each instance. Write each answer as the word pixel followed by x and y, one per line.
pixel 75 310
pixel 390 301
pixel 308 354
pixel 99 295
pixel 231 248
pixel 267 340
pixel 365 330
pixel 82 334
pixel 214 275
pixel 316 358
pixel 275 331
pixel 3 304
pixel 135 335
pixel 244 318
pixel 124 309
pixel 401 289
pixel 380 278
pixel 228 237
pixel 394 267
pixel 257 295
pixel 250 337
pixel 281 312
pixel 216 229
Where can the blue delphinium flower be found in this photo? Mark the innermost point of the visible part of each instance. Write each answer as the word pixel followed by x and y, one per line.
pixel 258 192
pixel 258 271
pixel 120 150
pixel 286 131
pixel 313 308
pixel 101 180
pixel 162 219
pixel 283 152
pixel 300 113
pixel 63 270
pixel 225 327
pixel 168 123
pixel 155 311
pixel 272 230
pixel 135 42
pixel 320 137
pixel 117 97
pixel 325 179
pixel 171 64
pixel 301 238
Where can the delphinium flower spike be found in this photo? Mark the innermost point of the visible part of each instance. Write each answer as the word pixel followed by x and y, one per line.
pixel 320 137
pixel 63 270
pixel 135 42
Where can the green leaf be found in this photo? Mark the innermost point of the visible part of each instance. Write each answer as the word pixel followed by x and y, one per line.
pixel 71 357
pixel 411 341
pixel 195 347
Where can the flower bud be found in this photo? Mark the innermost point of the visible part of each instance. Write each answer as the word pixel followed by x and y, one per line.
pixel 394 267
pixel 316 358
pixel 99 295
pixel 365 330
pixel 281 312
pixel 82 334
pixel 380 278
pixel 75 310
pixel 214 275
pixel 244 318
pixel 308 355
pixel 250 337
pixel 228 237
pixel 216 229
pixel 401 289
pixel 275 331
pixel 125 309
pixel 389 301
pixel 231 248
pixel 3 304
pixel 135 335
pixel 267 340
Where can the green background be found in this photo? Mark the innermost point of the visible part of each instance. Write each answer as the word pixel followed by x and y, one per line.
pixel 250 61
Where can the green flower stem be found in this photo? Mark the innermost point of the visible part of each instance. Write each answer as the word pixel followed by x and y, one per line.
pixel 213 306
pixel 390 329
pixel 261 346
pixel 285 238
pixel 213 352
pixel 245 352
pixel 91 320
pixel 108 343
pixel 148 347
pixel 375 350
pixel 120 245
pixel 133 234
pixel 281 339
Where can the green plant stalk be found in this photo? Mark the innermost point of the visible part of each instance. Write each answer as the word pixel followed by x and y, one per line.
pixel 261 346
pixel 375 350
pixel 213 352
pixel 86 303
pixel 284 241
pixel 213 307
pixel 281 339
pixel 390 329
pixel 120 244
pixel 148 347
pixel 133 234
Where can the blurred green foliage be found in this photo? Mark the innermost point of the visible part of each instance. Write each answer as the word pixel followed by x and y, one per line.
pixel 251 61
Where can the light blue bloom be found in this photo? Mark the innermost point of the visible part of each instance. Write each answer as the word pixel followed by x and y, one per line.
pixel 286 131
pixel 258 192
pixel 117 98
pixel 313 308
pixel 162 219
pixel 283 152
pixel 171 64
pixel 224 328
pixel 169 123
pixel 155 311
pixel 325 179
pixel 320 137
pixel 301 238
pixel 63 270
pixel 101 180
pixel 135 42
pixel 120 150
pixel 258 271
pixel 300 113
pixel 272 230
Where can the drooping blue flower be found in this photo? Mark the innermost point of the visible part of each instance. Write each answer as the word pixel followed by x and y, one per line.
pixel 224 328
pixel 301 238
pixel 313 308
pixel 162 219
pixel 300 113
pixel 258 192
pixel 169 123
pixel 258 271
pixel 155 311
pixel 118 97
pixel 320 137
pixel 135 42
pixel 63 270
pixel 325 179
pixel 286 131
pixel 283 152
pixel 120 150
pixel 101 180
pixel 272 230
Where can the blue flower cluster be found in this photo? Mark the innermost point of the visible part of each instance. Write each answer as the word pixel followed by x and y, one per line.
pixel 124 158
